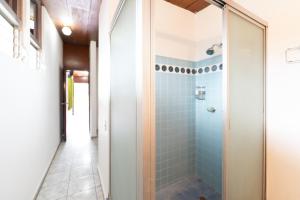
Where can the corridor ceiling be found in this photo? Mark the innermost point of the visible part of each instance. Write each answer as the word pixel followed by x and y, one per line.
pixel 80 15
pixel 191 5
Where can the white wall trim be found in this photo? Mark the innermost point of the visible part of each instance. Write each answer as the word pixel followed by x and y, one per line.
pixel 93 89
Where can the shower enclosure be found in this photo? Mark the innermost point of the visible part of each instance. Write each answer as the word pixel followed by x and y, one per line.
pixel 209 104
pixel 189 96
pixel 189 122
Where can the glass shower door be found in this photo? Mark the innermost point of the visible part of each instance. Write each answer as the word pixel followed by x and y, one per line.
pixel 244 165
pixel 123 139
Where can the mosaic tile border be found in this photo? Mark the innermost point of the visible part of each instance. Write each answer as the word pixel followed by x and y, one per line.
pixel 188 70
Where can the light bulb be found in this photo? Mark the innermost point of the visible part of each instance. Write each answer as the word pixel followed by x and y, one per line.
pixel 66 30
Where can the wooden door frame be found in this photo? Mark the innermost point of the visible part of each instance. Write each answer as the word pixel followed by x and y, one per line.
pixel 62 104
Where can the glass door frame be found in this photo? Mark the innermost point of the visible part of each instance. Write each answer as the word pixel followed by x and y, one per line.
pixel 112 26
pixel 231 6
pixel 143 82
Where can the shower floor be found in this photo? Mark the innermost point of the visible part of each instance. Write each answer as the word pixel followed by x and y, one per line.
pixel 188 189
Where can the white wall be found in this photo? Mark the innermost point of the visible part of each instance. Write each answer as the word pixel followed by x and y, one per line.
pixel 183 34
pixel 7 37
pixel 283 97
pixel 174 30
pixel 107 10
pixel 209 26
pixel 29 118
pixel 93 89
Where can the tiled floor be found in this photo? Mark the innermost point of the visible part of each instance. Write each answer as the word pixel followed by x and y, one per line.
pixel 73 174
pixel 188 189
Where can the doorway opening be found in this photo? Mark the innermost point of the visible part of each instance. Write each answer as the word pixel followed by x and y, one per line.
pixel 189 99
pixel 77 105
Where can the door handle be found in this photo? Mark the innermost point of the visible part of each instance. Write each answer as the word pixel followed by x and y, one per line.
pixel 64 103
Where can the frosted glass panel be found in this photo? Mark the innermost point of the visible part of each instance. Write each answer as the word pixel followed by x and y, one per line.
pixel 245 138
pixel 123 106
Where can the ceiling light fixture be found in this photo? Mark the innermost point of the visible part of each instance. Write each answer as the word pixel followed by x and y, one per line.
pixel 67 30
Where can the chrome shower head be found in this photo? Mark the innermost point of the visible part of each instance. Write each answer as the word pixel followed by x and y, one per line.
pixel 212 50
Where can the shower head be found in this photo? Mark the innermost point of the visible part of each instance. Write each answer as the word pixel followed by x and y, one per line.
pixel 210 51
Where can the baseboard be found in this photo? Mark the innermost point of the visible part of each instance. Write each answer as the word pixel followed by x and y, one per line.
pixel 102 185
pixel 43 179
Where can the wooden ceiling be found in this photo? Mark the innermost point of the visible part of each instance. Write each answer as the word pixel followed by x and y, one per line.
pixel 76 56
pixel 81 15
pixel 191 5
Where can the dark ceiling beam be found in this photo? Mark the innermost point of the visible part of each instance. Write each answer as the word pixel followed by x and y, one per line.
pixel 197 6
pixel 76 57
pixel 190 5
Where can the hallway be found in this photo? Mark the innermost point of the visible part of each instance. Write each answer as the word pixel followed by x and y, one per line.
pixel 73 173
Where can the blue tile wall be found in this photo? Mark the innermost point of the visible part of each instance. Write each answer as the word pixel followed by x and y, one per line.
pixel 175 127
pixel 209 131
pixel 189 139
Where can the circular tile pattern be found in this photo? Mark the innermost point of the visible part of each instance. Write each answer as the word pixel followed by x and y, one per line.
pixel 214 68
pixel 221 66
pixel 206 69
pixel 200 70
pixel 157 67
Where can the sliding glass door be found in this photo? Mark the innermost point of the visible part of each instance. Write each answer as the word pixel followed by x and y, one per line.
pixel 244 86
pixel 124 104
